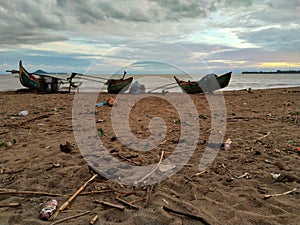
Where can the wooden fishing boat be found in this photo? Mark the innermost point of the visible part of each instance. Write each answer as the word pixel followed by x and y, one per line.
pixel 43 82
pixel 116 86
pixel 208 83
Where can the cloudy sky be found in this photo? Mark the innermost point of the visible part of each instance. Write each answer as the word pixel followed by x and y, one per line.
pixel 104 36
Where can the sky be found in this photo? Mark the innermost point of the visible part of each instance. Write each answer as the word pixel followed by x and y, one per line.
pixel 150 36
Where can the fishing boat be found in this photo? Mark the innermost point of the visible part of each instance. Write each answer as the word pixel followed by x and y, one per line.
pixel 42 82
pixel 208 83
pixel 116 86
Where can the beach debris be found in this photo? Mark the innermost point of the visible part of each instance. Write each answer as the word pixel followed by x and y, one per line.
pixel 48 209
pixel 65 205
pixel 201 219
pixel 110 102
pixel 149 190
pixel 275 175
pixel 280 194
pixel 67 148
pixel 137 88
pixel 13 191
pixel 227 144
pixel 266 135
pixel 23 113
pixel 130 205
pixel 286 178
pixel 165 168
pixel 113 138
pixel 298 149
pixel 101 104
pixel 101 132
pixel 110 204
pixel 12 204
pixel 70 217
pixel 155 168
pixel 200 173
pixel 93 220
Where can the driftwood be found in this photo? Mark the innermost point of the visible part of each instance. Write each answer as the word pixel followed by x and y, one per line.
pixel 202 220
pixel 259 139
pixel 72 198
pixel 200 173
pixel 275 195
pixel 13 204
pixel 127 203
pixel 70 217
pixel 93 220
pixel 11 191
pixel 155 168
pixel 110 204
pixel 149 190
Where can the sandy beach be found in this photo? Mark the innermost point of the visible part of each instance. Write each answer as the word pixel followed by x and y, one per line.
pixel 263 160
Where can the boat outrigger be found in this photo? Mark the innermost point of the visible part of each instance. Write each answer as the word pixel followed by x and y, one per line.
pixel 208 83
pixel 42 82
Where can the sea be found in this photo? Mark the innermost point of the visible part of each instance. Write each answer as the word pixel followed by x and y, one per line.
pixel 157 82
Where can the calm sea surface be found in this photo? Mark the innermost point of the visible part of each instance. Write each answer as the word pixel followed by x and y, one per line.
pixel 238 81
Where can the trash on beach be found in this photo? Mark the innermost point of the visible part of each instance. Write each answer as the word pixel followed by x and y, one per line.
pixel 23 113
pixel 227 144
pixel 137 88
pixel 298 149
pixel 275 175
pixel 165 168
pixel 101 104
pixel 67 148
pixel 110 102
pixel 48 209
pixel 99 120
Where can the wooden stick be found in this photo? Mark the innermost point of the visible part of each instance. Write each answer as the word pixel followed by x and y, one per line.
pixel 110 204
pixel 200 173
pixel 149 190
pixel 127 203
pixel 70 217
pixel 13 204
pixel 258 139
pixel 275 195
pixel 72 198
pixel 93 220
pixel 186 214
pixel 155 168
pixel 11 191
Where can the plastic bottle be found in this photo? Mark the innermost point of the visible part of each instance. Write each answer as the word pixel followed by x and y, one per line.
pixel 48 209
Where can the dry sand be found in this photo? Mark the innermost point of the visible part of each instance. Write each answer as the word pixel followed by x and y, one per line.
pixel 263 126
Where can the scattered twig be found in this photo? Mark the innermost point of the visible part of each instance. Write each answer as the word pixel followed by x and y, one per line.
pixel 127 203
pixel 11 191
pixel 72 198
pixel 13 204
pixel 200 173
pixel 259 139
pixel 70 217
pixel 155 168
pixel 110 204
pixel 275 195
pixel 186 214
pixel 93 220
pixel 36 118
pixel 149 190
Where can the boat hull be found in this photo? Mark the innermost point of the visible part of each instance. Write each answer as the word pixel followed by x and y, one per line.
pixel 206 84
pixel 116 86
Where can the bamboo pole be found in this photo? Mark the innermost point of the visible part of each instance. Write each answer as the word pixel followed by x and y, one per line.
pixel 72 198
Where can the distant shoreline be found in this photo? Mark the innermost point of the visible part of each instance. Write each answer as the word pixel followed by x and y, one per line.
pixel 271 72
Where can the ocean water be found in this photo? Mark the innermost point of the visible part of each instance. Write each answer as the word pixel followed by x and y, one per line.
pixel 10 82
